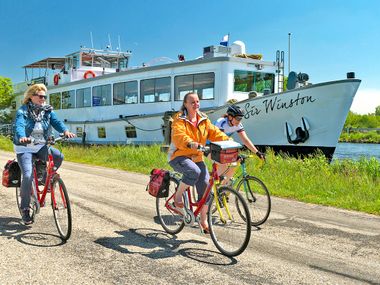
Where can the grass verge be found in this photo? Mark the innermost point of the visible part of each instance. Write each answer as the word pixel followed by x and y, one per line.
pixel 353 185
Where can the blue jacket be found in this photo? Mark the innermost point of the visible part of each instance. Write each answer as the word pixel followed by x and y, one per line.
pixel 24 124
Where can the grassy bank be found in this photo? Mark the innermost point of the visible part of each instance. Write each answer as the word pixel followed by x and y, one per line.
pixel 344 184
pixel 356 137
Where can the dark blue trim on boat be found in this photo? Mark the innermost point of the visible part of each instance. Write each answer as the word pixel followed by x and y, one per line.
pixel 299 151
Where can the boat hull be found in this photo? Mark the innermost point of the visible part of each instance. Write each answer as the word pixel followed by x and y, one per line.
pixel 270 121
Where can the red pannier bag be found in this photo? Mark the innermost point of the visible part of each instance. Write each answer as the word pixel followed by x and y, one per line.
pixel 158 185
pixel 11 174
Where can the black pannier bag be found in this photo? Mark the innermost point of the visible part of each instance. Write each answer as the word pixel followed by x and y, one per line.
pixel 41 171
pixel 11 174
pixel 158 185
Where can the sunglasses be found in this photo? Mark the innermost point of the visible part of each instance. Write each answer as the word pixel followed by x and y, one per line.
pixel 238 118
pixel 41 96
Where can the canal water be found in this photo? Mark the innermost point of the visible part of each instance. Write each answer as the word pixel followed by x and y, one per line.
pixel 355 151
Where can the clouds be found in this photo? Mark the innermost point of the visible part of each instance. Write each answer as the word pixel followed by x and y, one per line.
pixel 366 101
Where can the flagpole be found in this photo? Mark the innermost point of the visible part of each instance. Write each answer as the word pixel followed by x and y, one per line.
pixel 228 41
pixel 289 34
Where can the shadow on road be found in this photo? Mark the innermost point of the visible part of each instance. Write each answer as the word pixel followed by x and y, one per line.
pixel 10 226
pixel 157 244
pixel 40 239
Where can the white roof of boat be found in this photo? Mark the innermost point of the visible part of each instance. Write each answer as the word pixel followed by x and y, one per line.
pixel 49 62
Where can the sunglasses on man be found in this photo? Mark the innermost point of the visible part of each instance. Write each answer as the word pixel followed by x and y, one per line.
pixel 40 96
pixel 238 118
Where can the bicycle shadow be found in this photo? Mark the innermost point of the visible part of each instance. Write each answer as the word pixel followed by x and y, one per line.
pixel 156 244
pixel 10 226
pixel 40 239
pixel 13 228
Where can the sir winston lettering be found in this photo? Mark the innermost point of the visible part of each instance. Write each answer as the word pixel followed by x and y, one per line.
pixel 273 104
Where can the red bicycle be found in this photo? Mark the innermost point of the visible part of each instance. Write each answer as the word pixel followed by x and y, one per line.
pixel 228 215
pixel 54 185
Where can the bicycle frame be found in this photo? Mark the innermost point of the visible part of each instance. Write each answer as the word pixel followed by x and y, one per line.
pixel 213 181
pixel 51 172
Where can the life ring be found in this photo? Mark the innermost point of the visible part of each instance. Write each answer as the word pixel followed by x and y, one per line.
pixel 88 72
pixel 56 79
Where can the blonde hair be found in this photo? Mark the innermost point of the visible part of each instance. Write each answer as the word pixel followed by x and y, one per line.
pixel 33 89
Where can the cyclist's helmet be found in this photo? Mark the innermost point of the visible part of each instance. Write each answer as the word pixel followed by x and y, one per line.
pixel 235 111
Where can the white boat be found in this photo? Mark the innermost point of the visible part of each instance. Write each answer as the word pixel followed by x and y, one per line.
pixel 102 100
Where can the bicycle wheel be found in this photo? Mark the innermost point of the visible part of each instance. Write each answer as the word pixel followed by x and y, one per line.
pixel 257 197
pixel 60 203
pixel 171 221
pixel 230 229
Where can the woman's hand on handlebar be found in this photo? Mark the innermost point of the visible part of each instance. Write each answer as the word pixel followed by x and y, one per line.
pixel 261 155
pixel 25 140
pixel 69 135
pixel 193 145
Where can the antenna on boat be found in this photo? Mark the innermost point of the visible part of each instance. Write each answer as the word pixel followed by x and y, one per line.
pixel 92 41
pixel 118 38
pixel 109 42
pixel 289 34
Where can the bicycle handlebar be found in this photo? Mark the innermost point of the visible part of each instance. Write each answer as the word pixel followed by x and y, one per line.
pixel 51 140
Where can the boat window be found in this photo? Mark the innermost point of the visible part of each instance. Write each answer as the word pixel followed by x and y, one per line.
pixel 102 132
pixel 247 81
pixel 203 84
pixel 125 93
pixel 83 97
pixel 55 100
pixel 79 132
pixel 101 95
pixel 130 132
pixel 155 90
pixel 68 99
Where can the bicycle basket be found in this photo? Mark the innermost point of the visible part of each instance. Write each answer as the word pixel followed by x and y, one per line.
pixel 11 174
pixel 158 185
pixel 225 151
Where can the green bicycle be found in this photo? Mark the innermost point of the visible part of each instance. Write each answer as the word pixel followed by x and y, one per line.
pixel 254 192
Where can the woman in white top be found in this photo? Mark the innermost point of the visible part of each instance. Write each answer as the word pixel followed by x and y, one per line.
pixel 230 123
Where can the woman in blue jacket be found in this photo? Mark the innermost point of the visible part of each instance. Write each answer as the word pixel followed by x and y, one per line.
pixel 33 122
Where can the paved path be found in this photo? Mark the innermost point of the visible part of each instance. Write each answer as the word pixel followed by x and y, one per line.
pixel 117 240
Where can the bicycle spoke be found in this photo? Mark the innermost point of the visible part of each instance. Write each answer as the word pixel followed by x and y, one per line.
pixel 230 225
pixel 61 208
pixel 170 218
pixel 257 197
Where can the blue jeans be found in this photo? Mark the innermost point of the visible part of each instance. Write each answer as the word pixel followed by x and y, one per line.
pixel 25 161
pixel 194 173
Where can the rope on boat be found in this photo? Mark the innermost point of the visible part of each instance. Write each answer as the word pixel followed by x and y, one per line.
pixel 145 130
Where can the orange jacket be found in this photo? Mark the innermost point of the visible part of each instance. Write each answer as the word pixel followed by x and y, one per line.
pixel 184 132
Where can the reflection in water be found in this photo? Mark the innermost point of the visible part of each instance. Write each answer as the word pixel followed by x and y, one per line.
pixel 357 150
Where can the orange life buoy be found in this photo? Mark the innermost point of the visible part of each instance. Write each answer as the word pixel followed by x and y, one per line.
pixel 56 79
pixel 88 72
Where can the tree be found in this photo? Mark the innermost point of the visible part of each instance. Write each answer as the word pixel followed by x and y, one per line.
pixel 377 111
pixel 6 92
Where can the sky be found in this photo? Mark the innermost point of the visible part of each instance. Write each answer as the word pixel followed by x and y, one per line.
pixel 328 37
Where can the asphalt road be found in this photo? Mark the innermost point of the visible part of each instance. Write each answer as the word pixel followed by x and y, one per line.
pixel 116 239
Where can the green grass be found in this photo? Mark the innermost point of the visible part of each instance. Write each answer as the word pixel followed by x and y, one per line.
pixel 360 137
pixel 347 184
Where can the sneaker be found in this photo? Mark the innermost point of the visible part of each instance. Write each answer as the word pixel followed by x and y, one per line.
pixel 26 218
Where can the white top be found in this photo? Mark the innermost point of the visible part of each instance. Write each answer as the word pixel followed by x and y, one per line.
pixel 223 125
pixel 37 143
